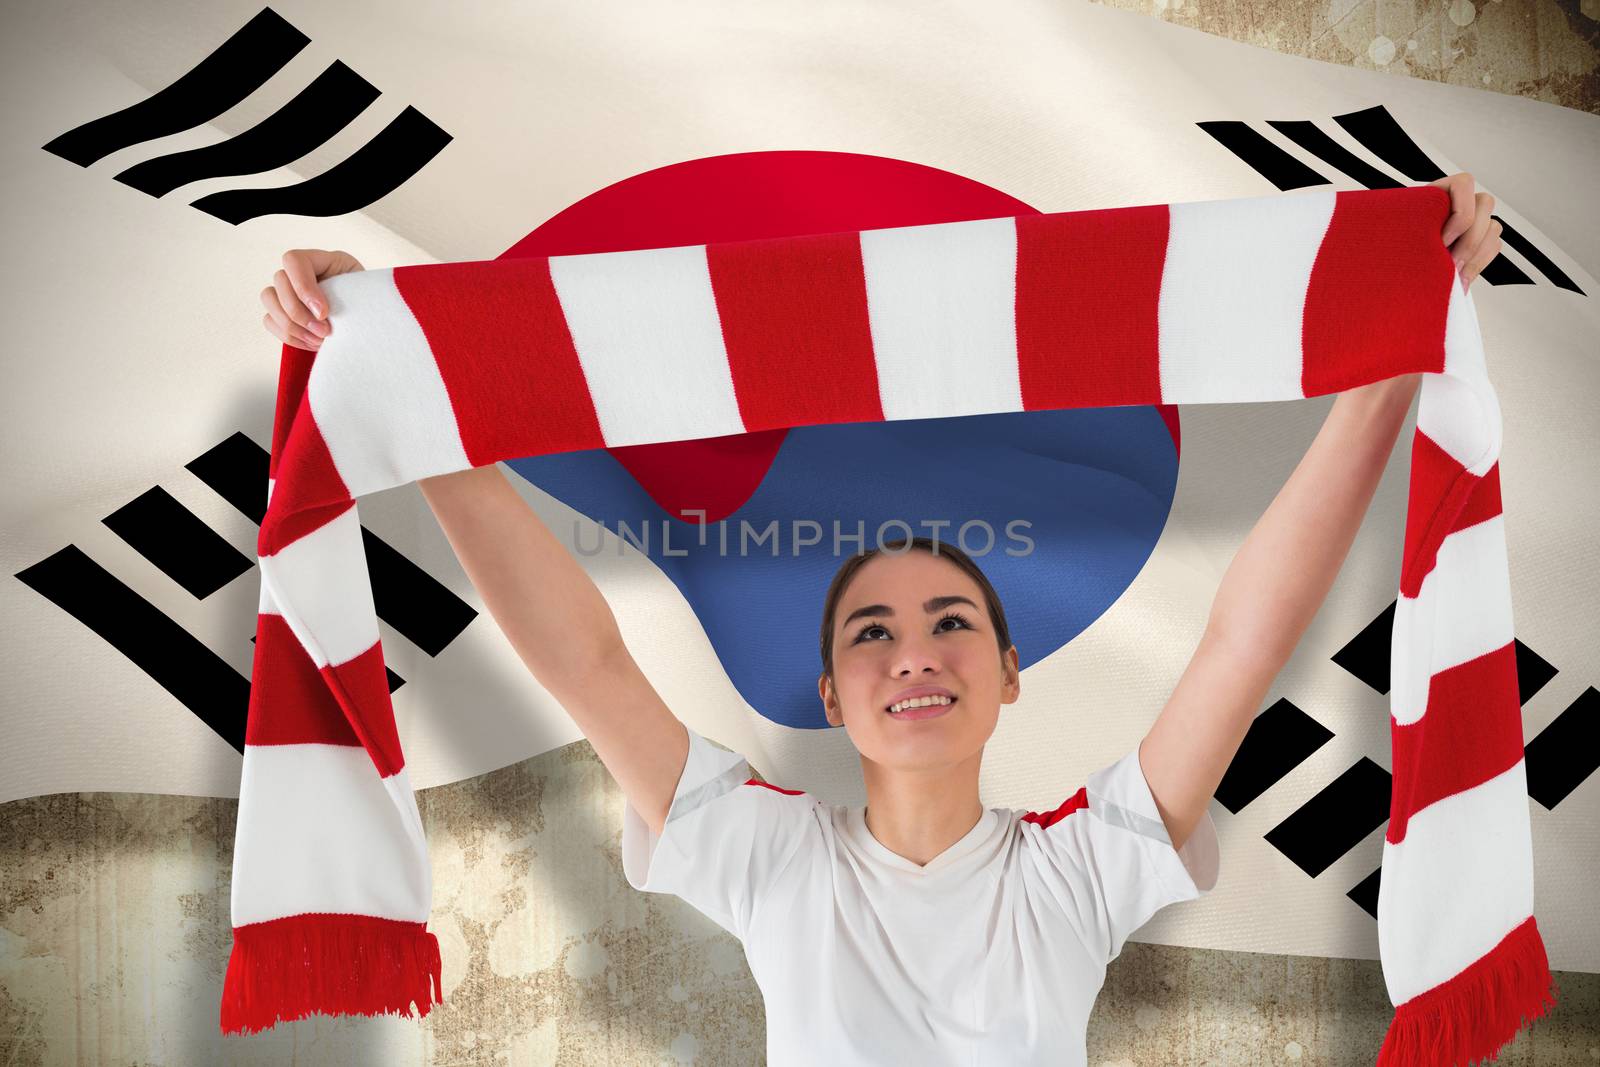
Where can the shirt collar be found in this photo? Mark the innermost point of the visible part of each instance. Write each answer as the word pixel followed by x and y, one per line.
pixel 856 826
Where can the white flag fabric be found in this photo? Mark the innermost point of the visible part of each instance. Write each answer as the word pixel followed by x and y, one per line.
pixel 146 408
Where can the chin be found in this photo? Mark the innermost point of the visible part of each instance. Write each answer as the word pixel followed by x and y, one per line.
pixel 923 744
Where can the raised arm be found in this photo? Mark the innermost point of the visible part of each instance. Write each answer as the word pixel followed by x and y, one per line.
pixel 1268 596
pixel 554 616
pixel 1282 573
pixel 563 630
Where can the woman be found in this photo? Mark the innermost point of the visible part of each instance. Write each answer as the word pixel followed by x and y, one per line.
pixel 922 927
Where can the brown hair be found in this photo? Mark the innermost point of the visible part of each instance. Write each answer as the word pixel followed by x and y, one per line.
pixel 847 570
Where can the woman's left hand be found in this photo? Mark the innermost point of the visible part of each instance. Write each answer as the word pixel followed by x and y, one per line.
pixel 1471 235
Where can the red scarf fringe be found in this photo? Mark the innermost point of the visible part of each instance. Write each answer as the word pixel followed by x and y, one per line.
pixel 1471 1016
pixel 289 968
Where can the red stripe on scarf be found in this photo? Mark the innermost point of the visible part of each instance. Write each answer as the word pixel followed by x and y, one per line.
pixel 482 323
pixel 1088 294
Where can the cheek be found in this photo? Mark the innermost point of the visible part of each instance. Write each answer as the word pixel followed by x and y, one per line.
pixel 850 680
pixel 970 663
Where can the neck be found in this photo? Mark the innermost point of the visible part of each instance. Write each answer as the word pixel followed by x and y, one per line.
pixel 919 813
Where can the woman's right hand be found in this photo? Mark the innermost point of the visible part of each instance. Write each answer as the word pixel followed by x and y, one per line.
pixel 296 308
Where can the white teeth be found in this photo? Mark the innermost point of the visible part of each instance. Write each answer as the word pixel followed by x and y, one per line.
pixel 918 702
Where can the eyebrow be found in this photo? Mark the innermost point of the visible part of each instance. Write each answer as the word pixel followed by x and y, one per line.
pixel 929 606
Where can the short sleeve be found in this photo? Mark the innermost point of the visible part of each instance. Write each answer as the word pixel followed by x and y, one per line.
pixel 1110 859
pixel 725 840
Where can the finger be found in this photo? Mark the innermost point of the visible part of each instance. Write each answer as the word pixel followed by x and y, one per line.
pixel 277 331
pixel 294 307
pixel 1464 248
pixel 1462 205
pixel 279 325
pixel 290 334
pixel 304 266
pixel 1483 256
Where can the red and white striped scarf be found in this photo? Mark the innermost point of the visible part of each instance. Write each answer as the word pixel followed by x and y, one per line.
pixel 438 368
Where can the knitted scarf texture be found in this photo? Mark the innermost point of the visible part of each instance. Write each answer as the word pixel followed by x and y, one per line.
pixel 437 368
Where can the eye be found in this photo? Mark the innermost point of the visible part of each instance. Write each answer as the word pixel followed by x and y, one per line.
pixel 958 617
pixel 947 616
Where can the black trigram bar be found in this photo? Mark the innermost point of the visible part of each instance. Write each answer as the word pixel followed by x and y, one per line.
pixel 1379 133
pixel 1367 654
pixel 1261 155
pixel 1385 138
pixel 172 537
pixel 320 110
pixel 414 602
pixel 372 172
pixel 1513 237
pixel 1556 762
pixel 240 66
pixel 200 679
pixel 411 600
pixel 1376 129
pixel 1367 657
pixel 1279 740
pixel 1566 752
pixel 236 470
pixel 1309 135
pixel 1365 892
pixel 1533 671
pixel 1336 819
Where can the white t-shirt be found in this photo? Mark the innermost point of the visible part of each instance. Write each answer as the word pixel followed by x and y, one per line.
pixel 992 953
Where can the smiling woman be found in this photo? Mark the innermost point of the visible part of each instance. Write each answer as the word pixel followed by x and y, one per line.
pixel 922 926
pixel 905 636
pixel 944 918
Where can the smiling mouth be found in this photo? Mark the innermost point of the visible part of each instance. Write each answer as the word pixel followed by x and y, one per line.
pixel 929 711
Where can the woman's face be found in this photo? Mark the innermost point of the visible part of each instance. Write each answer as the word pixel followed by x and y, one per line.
pixel 903 644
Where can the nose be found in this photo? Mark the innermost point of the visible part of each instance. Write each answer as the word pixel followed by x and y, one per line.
pixel 917 656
